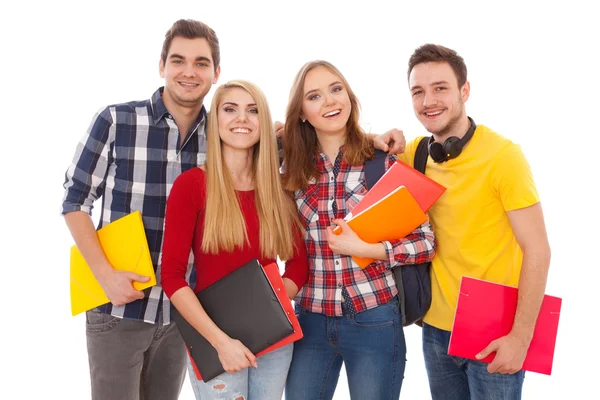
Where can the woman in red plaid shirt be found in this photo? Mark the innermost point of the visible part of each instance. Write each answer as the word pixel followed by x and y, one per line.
pixel 348 315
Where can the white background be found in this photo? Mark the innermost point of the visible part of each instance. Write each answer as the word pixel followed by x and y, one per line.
pixel 532 79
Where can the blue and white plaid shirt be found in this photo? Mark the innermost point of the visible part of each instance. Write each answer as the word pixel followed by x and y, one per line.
pixel 130 157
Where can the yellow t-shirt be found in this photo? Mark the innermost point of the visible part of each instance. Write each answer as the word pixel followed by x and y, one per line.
pixel 474 237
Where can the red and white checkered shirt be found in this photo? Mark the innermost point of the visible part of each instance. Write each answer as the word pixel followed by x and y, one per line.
pixel 338 189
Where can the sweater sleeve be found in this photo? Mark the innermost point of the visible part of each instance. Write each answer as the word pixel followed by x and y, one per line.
pixel 180 228
pixel 296 268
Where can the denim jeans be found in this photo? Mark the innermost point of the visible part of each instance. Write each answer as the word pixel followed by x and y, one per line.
pixel 134 360
pixel 456 378
pixel 370 344
pixel 266 382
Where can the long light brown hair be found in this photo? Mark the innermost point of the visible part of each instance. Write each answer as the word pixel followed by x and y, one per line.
pixel 300 138
pixel 224 224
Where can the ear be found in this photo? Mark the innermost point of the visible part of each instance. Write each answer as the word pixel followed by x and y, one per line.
pixel 161 68
pixel 465 91
pixel 217 74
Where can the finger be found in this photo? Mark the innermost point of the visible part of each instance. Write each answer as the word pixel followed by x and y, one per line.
pixel 139 278
pixel 487 351
pixel 251 357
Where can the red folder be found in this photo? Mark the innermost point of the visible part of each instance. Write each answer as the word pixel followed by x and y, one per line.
pixel 486 311
pixel 274 277
pixel 424 190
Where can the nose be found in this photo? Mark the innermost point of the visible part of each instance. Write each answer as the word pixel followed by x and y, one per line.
pixel 328 99
pixel 242 116
pixel 189 70
pixel 429 99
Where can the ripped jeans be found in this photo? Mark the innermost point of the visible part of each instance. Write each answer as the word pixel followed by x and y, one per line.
pixel 263 383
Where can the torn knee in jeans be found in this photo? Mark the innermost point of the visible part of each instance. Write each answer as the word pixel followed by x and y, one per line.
pixel 240 397
pixel 219 385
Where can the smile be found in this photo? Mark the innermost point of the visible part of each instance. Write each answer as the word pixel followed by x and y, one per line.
pixel 241 130
pixel 332 113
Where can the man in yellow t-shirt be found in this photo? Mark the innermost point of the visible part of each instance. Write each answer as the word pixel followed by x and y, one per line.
pixel 488 224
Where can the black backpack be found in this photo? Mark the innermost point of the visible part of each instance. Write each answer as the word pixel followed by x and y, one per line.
pixel 413 281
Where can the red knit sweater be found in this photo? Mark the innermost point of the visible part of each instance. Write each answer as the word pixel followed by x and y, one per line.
pixel 184 226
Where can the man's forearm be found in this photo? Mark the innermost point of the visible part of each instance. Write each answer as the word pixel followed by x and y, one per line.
pixel 532 286
pixel 82 229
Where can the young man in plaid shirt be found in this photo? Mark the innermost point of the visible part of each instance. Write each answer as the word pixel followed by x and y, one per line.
pixel 130 156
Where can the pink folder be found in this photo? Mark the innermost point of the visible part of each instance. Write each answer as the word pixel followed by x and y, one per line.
pixel 486 311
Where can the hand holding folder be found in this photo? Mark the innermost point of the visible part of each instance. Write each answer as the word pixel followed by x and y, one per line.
pixel 486 312
pixel 125 246
pixel 250 305
pixel 391 217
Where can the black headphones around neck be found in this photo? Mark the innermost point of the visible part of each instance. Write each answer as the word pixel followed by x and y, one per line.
pixel 452 147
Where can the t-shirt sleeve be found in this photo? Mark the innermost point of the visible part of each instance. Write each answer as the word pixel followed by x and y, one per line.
pixel 513 180
pixel 409 153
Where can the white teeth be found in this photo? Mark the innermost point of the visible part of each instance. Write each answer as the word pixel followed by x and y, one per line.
pixel 331 113
pixel 433 113
pixel 240 130
pixel 188 84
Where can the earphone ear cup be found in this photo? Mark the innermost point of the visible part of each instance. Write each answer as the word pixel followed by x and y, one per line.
pixel 452 147
pixel 436 151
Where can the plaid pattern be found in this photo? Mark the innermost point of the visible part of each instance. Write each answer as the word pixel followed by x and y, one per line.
pixel 130 157
pixel 339 188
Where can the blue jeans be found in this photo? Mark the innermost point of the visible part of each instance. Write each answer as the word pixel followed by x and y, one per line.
pixel 456 378
pixel 265 382
pixel 370 344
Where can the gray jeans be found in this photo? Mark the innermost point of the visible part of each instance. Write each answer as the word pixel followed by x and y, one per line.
pixel 132 360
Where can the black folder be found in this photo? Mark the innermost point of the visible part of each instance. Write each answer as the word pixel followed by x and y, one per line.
pixel 245 307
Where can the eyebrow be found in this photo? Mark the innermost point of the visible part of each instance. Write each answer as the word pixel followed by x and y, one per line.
pixel 433 84
pixel 179 56
pixel 330 85
pixel 231 103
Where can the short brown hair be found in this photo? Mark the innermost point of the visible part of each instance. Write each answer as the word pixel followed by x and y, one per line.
pixel 436 53
pixel 192 29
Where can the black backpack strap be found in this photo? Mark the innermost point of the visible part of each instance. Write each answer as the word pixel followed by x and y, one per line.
pixel 421 155
pixel 375 168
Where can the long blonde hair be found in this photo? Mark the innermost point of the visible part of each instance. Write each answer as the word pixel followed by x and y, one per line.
pixel 224 224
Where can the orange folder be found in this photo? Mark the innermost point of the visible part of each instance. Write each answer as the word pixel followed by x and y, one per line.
pixel 392 217
pixel 276 281
pixel 424 189
pixel 486 311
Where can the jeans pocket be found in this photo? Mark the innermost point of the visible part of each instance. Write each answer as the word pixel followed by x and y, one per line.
pixel 377 317
pixel 100 322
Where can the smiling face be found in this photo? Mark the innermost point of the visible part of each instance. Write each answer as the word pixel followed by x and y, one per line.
pixel 325 104
pixel 239 125
pixel 437 100
pixel 188 72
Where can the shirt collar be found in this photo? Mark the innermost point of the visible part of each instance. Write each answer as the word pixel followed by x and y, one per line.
pixel 159 110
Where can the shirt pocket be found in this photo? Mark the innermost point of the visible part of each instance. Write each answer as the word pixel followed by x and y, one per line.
pixel 307 201
pixel 356 189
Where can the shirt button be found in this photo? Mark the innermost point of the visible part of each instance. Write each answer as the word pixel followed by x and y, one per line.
pixel 340 284
pixel 331 179
pixel 337 262
pixel 331 198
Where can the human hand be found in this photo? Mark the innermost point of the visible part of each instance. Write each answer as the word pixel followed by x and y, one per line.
pixel 278 127
pixel 392 142
pixel 234 356
pixel 345 242
pixel 118 286
pixel 510 354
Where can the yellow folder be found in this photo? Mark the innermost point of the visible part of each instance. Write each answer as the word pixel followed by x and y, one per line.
pixel 126 248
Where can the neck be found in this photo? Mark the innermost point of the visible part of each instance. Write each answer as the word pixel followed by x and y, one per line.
pixel 183 114
pixel 331 142
pixel 239 164
pixel 458 129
